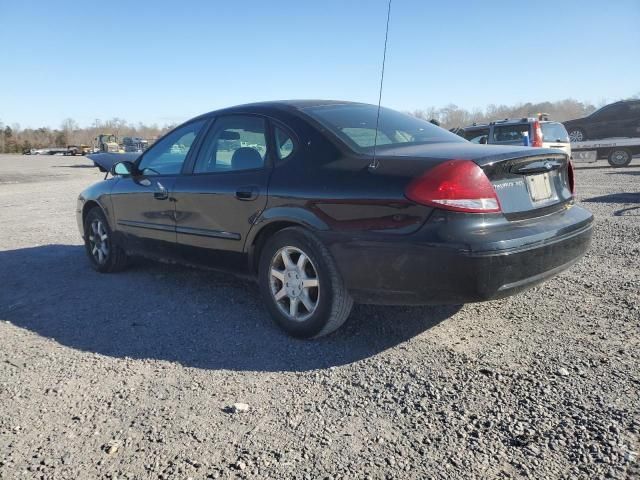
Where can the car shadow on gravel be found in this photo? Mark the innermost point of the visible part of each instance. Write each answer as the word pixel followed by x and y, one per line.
pixel 84 165
pixel 197 318
pixel 634 173
pixel 625 198
pixel 615 198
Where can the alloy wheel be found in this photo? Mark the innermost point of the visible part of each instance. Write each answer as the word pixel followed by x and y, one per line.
pixel 294 283
pixel 576 136
pixel 99 241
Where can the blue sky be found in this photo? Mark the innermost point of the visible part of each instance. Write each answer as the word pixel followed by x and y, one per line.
pixel 166 61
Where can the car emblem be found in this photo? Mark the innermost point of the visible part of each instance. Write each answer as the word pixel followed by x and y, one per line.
pixel 548 165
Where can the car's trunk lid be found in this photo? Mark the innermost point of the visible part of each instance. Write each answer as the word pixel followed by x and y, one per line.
pixel 529 185
pixel 529 182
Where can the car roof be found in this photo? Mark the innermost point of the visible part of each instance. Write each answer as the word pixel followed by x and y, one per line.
pixel 280 105
pixel 631 100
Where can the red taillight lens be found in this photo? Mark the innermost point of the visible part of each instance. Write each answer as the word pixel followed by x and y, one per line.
pixel 537 135
pixel 571 177
pixel 459 185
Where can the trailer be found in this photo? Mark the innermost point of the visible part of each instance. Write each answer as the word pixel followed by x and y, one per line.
pixel 618 151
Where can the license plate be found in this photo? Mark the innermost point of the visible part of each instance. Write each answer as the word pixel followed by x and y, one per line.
pixel 539 187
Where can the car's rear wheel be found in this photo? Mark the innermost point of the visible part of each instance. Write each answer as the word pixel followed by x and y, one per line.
pixel 301 285
pixel 620 157
pixel 104 254
pixel 577 135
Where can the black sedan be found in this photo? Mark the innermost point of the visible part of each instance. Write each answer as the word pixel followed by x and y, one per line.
pixel 292 192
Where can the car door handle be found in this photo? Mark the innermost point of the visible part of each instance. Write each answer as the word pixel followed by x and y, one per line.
pixel 249 192
pixel 161 193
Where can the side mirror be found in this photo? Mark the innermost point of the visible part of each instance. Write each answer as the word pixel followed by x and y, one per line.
pixel 122 168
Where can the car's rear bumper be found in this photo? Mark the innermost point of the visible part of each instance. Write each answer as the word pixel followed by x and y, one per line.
pixel 461 258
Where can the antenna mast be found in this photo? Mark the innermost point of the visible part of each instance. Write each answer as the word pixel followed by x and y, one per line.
pixel 374 163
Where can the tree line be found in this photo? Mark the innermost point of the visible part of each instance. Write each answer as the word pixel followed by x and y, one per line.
pixel 452 116
pixel 14 139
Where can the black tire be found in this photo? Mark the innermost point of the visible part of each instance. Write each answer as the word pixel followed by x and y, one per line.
pixel 620 157
pixel 110 259
pixel 577 134
pixel 332 303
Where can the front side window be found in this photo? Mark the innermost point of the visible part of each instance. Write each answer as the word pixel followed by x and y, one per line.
pixel 355 125
pixel 612 112
pixel 608 112
pixel 236 142
pixel 167 156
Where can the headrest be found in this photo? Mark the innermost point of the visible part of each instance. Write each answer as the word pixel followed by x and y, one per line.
pixel 246 158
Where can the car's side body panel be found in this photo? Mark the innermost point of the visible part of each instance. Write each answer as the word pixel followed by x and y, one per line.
pixel 143 221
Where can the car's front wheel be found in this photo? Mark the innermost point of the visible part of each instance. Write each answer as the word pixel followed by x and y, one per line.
pixel 577 135
pixel 104 254
pixel 301 285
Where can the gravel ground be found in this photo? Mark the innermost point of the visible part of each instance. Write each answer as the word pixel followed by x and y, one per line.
pixel 135 375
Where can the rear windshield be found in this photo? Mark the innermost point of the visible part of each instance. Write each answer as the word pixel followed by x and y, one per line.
pixel 510 133
pixel 554 132
pixel 355 124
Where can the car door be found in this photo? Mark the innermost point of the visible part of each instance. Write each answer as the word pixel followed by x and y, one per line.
pixel 608 122
pixel 226 191
pixel 632 120
pixel 143 209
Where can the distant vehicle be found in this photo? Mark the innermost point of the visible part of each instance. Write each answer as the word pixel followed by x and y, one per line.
pixel 107 143
pixel 78 150
pixel 321 224
pixel 619 119
pixel 539 132
pixel 134 144
pixel 618 151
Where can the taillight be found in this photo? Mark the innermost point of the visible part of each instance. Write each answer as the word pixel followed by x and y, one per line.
pixel 458 185
pixel 537 135
pixel 571 177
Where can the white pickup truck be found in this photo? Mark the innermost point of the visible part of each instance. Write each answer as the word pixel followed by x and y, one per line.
pixel 618 151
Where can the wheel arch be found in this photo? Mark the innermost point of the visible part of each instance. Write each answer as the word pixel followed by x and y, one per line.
pixel 273 221
pixel 89 205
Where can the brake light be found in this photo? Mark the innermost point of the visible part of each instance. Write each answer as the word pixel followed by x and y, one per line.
pixel 458 185
pixel 571 178
pixel 537 135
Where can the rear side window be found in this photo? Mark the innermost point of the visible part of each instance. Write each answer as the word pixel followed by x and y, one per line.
pixel 476 135
pixel 554 132
pixel 284 143
pixel 634 109
pixel 510 133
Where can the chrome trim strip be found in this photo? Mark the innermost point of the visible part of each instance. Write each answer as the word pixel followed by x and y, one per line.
pixel 147 225
pixel 202 232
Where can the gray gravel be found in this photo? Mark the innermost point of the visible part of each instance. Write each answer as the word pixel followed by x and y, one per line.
pixel 139 374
